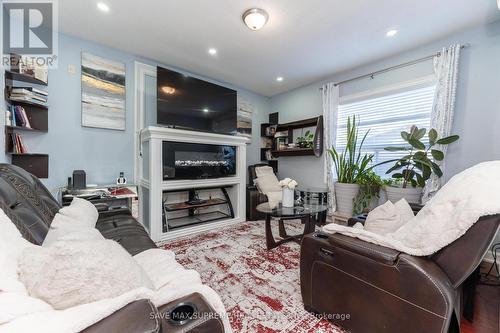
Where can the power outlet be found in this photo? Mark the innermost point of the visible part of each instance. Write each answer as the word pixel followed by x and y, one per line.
pixel 71 69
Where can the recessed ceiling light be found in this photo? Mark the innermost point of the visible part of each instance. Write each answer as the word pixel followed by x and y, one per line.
pixel 212 51
pixel 205 110
pixel 279 78
pixel 168 90
pixel 255 18
pixel 391 33
pixel 103 7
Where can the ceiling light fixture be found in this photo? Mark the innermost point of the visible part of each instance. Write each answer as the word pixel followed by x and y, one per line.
pixel 212 51
pixel 391 33
pixel 205 110
pixel 255 18
pixel 103 7
pixel 279 78
pixel 168 90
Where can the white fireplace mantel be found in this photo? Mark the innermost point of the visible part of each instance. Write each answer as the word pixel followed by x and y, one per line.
pixel 152 185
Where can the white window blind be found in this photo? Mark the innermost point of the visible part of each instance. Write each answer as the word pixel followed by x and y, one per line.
pixel 386 116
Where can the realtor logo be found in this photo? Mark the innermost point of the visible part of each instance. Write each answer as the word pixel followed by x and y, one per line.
pixel 30 29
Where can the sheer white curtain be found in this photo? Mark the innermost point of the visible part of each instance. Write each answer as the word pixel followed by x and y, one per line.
pixel 330 94
pixel 446 70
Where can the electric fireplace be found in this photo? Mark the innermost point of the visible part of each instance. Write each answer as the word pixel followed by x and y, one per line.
pixel 197 160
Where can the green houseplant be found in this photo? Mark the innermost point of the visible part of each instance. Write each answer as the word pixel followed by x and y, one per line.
pixel 367 198
pixel 413 170
pixel 306 141
pixel 351 165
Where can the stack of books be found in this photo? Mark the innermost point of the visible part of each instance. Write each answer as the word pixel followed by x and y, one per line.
pixel 17 144
pixel 29 94
pixel 17 117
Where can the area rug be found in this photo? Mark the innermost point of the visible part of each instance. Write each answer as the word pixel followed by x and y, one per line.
pixel 260 288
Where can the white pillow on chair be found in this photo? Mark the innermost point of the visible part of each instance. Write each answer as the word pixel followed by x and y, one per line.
pixel 263 170
pixel 82 211
pixel 389 217
pixel 79 216
pixel 268 183
pixel 70 273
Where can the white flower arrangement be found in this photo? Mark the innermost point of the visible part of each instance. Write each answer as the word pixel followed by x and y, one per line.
pixel 289 183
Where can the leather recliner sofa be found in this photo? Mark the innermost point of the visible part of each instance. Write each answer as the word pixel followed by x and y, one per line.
pixel 31 207
pixel 364 287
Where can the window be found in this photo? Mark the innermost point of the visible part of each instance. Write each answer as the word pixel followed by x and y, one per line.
pixel 386 116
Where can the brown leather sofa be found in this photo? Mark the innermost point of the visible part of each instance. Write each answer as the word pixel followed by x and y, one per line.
pixel 31 207
pixel 384 290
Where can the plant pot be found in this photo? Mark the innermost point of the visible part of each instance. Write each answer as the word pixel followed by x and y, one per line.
pixel 344 197
pixel 288 197
pixel 411 194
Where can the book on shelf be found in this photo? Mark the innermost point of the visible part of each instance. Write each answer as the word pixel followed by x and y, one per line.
pixel 29 90
pixel 19 117
pixel 32 97
pixel 28 99
pixel 18 146
pixel 8 118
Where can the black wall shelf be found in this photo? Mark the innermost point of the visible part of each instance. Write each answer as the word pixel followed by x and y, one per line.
pixel 14 76
pixel 37 114
pixel 22 128
pixel 37 164
pixel 288 128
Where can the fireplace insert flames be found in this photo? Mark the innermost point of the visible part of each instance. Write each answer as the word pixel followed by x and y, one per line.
pixel 197 160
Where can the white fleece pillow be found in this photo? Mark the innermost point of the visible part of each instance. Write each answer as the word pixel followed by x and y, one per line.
pixel 268 183
pixel 61 226
pixel 404 210
pixel 82 211
pixel 71 273
pixel 388 217
pixel 80 215
pixel 263 170
pixel 274 198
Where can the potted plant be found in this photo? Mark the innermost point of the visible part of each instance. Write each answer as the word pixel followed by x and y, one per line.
pixel 306 141
pixel 350 166
pixel 370 185
pixel 413 170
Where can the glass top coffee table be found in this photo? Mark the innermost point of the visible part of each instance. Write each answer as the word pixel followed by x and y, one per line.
pixel 307 213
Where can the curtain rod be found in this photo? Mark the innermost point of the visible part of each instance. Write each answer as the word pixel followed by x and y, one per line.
pixel 406 64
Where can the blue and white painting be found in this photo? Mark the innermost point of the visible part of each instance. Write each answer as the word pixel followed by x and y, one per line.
pixel 103 92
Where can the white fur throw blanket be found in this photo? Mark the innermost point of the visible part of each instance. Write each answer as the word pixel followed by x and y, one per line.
pixel 170 279
pixel 466 197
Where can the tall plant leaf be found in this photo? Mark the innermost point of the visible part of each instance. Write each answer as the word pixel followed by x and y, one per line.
pixel 437 170
pixel 448 140
pixel 437 154
pixel 416 144
pixel 433 134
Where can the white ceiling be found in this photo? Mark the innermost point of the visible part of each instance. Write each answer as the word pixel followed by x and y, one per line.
pixel 304 40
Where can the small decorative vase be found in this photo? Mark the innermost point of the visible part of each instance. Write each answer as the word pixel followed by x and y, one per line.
pixel 288 197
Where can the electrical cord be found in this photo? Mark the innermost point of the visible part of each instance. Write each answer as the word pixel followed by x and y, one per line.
pixel 490 278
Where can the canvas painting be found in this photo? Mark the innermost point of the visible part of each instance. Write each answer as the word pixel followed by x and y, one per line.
pixel 103 92
pixel 244 121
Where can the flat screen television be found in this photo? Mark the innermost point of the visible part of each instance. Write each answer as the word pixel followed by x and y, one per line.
pixel 189 103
